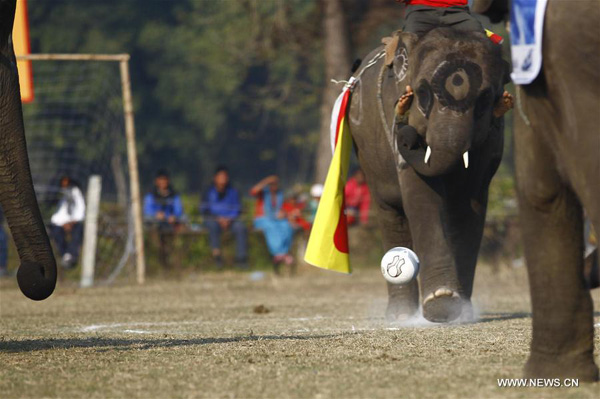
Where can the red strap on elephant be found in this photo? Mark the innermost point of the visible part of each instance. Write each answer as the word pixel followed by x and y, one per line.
pixel 435 3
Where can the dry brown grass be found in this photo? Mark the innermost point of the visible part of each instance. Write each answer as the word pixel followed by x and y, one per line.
pixel 318 335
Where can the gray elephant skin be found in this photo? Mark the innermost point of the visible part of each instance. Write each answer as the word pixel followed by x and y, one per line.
pixel 557 157
pixel 37 273
pixel 436 207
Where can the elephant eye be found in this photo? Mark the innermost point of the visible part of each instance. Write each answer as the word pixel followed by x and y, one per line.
pixel 425 97
pixel 484 101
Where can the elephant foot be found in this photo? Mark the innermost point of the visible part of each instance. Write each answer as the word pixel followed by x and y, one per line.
pixel 35 281
pixel 442 305
pixel 398 311
pixel 403 302
pixel 554 366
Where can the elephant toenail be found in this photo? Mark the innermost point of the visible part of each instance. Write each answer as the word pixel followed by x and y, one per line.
pixel 443 292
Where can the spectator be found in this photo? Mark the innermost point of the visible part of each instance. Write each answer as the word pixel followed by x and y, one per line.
pixel 358 199
pixel 163 210
pixel 3 248
pixel 272 220
pixel 293 207
pixel 221 208
pixel 163 205
pixel 66 224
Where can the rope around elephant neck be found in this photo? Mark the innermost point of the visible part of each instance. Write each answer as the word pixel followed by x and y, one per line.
pixel 350 84
pixel 353 80
pixel 388 131
pixel 380 107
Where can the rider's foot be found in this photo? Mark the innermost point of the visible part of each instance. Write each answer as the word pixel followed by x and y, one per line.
pixel 404 102
pixel 504 104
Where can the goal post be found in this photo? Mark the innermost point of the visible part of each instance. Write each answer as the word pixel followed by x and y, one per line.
pixel 90 230
pixel 136 208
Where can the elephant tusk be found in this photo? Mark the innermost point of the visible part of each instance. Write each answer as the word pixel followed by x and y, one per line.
pixel 466 159
pixel 427 154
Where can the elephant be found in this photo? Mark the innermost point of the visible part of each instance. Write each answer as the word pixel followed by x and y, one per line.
pixel 429 175
pixel 37 273
pixel 557 159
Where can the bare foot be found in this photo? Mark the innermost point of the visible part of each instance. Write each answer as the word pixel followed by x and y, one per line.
pixel 404 102
pixel 504 104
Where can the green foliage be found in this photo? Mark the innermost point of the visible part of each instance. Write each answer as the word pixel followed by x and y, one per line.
pixel 222 82
pixel 233 82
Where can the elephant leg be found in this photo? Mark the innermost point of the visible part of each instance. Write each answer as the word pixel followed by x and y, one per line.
pixel 37 273
pixel 465 218
pixel 552 225
pixel 464 229
pixel 423 201
pixel 403 300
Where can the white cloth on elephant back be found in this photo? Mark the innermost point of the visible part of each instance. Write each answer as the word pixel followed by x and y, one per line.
pixel 526 25
pixel 335 112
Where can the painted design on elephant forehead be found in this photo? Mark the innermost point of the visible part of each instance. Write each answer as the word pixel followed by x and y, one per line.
pixel 456 82
pixel 401 65
pixel 440 66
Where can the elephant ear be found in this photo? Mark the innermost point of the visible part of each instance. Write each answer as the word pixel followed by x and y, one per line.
pixel 399 63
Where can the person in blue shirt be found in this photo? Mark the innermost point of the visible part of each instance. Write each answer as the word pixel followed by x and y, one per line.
pixel 163 205
pixel 221 207
pixel 163 211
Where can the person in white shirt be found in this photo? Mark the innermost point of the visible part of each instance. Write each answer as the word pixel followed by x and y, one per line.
pixel 67 222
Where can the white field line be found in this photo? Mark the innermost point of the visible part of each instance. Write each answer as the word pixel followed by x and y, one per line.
pixel 96 327
pixel 357 325
pixel 134 327
pixel 380 325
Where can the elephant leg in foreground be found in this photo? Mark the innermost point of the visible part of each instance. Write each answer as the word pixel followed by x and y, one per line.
pixel 558 170
pixel 563 330
pixel 37 273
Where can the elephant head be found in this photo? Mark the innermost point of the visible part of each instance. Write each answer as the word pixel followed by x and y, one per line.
pixel 37 273
pixel 456 77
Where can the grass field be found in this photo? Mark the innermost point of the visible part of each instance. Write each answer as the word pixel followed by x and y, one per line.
pixel 317 335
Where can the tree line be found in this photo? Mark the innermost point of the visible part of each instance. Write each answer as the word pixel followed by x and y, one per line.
pixel 243 83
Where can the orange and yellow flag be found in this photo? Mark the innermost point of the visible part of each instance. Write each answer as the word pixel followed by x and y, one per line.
pixel 328 242
pixel 21 47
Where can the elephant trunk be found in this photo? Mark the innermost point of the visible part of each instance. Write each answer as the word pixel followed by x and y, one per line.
pixel 439 154
pixel 37 274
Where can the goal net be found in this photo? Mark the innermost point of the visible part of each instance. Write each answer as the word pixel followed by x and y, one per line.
pixel 75 127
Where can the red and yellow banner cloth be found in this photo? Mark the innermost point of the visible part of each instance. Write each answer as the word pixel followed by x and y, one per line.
pixel 496 39
pixel 328 242
pixel 21 45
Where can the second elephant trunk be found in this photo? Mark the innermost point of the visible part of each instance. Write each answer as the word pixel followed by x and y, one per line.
pixel 37 273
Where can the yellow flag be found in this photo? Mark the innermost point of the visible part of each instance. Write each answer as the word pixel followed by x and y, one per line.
pixel 328 242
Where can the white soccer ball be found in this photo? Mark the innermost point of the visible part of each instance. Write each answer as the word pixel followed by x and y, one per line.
pixel 400 265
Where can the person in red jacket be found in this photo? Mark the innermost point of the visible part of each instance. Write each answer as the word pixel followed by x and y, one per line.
pixel 423 15
pixel 293 209
pixel 358 199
